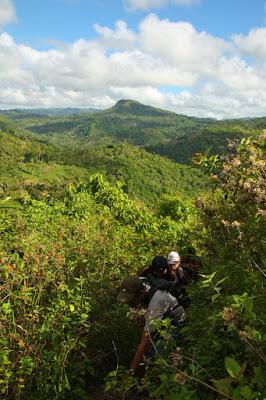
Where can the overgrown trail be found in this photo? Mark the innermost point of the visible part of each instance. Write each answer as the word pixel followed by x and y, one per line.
pixel 64 255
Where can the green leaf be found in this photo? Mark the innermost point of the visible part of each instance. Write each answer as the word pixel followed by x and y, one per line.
pixel 232 367
pixel 214 297
pixel 247 393
pixel 223 385
pixel 71 307
pixel 221 281
pixel 207 279
pixel 6 307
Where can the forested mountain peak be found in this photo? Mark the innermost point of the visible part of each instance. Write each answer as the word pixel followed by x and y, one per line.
pixel 126 106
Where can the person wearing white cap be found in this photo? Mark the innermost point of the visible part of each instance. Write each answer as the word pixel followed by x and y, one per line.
pixel 174 263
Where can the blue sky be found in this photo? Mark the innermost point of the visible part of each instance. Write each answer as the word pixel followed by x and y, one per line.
pixel 196 57
pixel 69 20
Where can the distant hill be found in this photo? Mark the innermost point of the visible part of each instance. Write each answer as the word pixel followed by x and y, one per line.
pixel 135 108
pixel 42 112
pixel 172 135
pixel 127 121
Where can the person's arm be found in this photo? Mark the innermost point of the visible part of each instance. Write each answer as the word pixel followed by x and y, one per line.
pixel 145 341
pixel 160 283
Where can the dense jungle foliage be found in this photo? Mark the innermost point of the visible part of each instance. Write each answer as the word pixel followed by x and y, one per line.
pixel 69 236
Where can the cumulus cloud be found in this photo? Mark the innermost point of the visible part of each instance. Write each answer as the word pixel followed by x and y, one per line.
pixel 132 5
pixel 120 37
pixel 253 44
pixel 163 63
pixel 180 44
pixel 7 13
pixel 136 68
pixel 145 94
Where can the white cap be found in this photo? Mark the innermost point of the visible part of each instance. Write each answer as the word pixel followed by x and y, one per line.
pixel 173 257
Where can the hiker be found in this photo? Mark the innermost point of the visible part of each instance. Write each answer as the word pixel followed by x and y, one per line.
pixel 183 270
pixel 164 276
pixel 159 304
pixel 179 277
pixel 175 271
pixel 156 274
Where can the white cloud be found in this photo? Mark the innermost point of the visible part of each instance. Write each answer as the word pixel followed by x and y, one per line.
pixel 254 44
pixel 7 13
pixel 205 75
pixel 137 68
pixel 120 37
pixel 237 75
pixel 132 5
pixel 180 44
pixel 145 94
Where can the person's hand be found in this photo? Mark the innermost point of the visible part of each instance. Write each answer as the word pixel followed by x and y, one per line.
pixel 173 273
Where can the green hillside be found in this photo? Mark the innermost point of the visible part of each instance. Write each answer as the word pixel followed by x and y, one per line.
pixel 174 136
pixel 127 120
pixel 143 174
pixel 27 164
pixel 214 137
